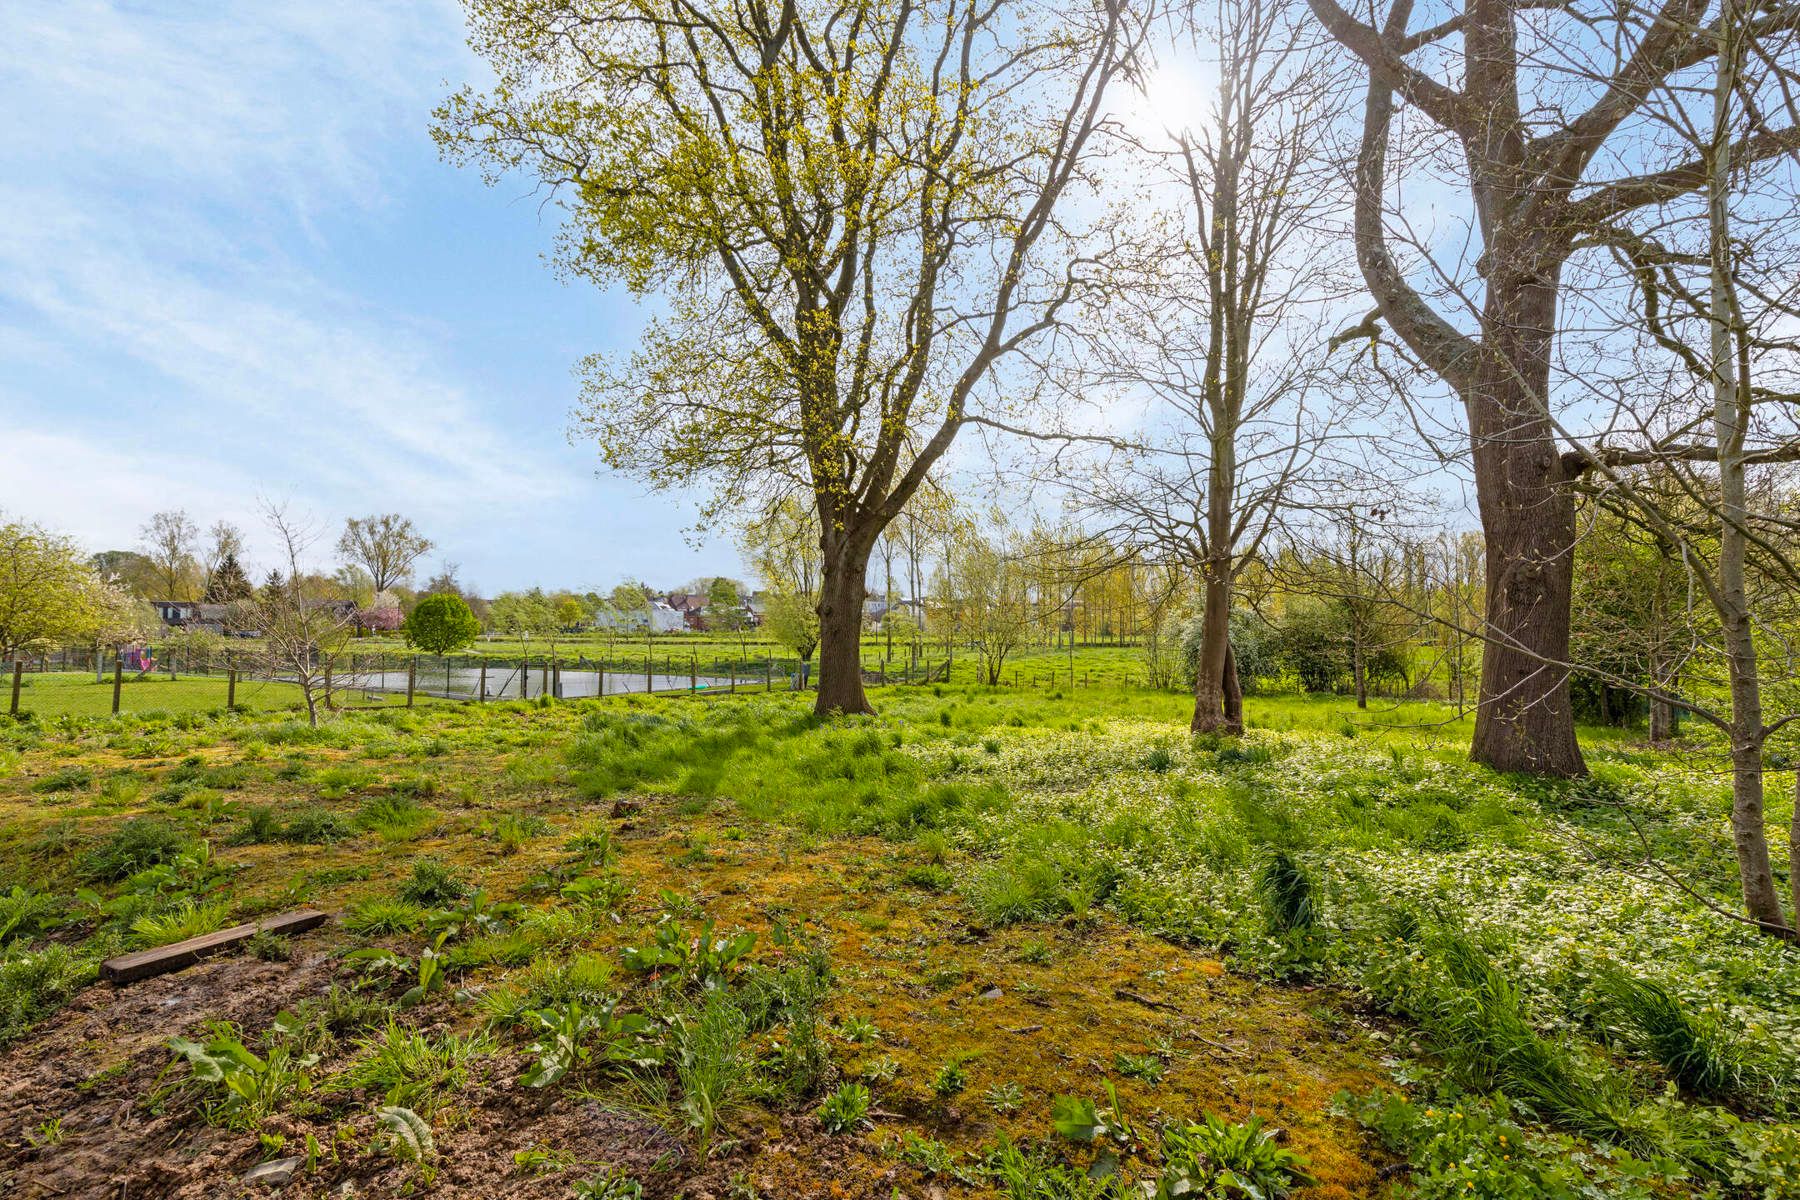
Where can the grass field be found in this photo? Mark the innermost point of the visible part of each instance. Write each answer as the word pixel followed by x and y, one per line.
pixel 1025 943
pixel 72 694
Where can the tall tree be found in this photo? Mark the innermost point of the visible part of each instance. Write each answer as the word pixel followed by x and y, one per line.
pixel 1543 102
pixel 227 582
pixel 858 214
pixel 782 549
pixel 1220 331
pixel 1718 300
pixel 223 541
pixel 48 592
pixel 983 590
pixel 169 539
pixel 385 545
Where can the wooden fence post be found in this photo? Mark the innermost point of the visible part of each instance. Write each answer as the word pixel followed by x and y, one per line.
pixel 599 682
pixel 525 678
pixel 769 678
pixel 18 681
pixel 481 683
pixel 231 687
pixel 693 672
pixel 118 679
pixel 556 678
pixel 412 679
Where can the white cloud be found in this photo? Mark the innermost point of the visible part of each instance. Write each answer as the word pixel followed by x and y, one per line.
pixel 172 159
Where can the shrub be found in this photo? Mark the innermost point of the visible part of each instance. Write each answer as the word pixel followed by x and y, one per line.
pixel 35 984
pixel 433 883
pixel 1695 1053
pixel 1286 891
pixel 139 843
pixel 845 1110
pixel 440 624
pixel 68 779
pixel 1221 1158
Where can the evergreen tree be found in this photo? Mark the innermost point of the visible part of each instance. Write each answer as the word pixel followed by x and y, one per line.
pixel 229 583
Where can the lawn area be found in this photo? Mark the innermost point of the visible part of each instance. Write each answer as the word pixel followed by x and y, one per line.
pixel 75 694
pixel 1027 943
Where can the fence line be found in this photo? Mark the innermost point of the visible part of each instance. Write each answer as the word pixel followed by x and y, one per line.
pixel 460 678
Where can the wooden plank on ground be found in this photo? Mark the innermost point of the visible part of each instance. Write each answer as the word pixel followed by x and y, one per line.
pixel 145 964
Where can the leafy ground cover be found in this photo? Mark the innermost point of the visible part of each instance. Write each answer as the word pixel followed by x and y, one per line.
pixel 991 942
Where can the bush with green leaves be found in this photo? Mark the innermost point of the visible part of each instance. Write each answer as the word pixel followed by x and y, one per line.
pixel 433 883
pixel 574 1034
pixel 239 1088
pixel 35 983
pixel 845 1110
pixel 703 959
pixel 441 624
pixel 139 843
pixel 1216 1157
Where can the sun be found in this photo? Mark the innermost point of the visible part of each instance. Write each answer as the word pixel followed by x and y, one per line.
pixel 1175 96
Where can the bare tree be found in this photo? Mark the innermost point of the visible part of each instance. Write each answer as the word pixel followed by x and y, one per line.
pixel 1718 299
pixel 168 540
pixel 303 634
pixel 1220 326
pixel 1544 108
pixel 385 546
pixel 983 592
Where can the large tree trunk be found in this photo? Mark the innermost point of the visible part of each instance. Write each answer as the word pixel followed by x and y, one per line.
pixel 840 630
pixel 1524 720
pixel 1662 720
pixel 1234 693
pixel 1212 713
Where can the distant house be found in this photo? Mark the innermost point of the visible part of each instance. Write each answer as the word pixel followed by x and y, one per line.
pixel 658 617
pixel 691 606
pixel 197 616
pixel 875 611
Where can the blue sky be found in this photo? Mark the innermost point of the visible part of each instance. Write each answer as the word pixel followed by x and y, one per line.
pixel 232 266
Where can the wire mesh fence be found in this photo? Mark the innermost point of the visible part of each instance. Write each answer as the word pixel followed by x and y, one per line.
pixel 97 680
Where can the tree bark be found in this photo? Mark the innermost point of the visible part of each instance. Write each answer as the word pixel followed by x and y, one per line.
pixel 1794 850
pixel 1211 711
pixel 1662 720
pixel 840 630
pixel 1234 693
pixel 1525 720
